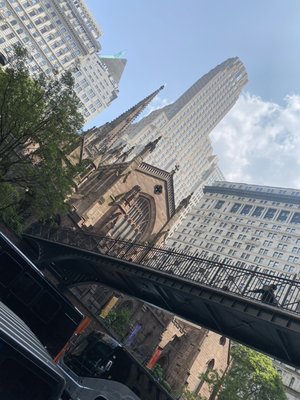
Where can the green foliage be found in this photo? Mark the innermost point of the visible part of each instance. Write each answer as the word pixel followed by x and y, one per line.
pixel 39 118
pixel 166 385
pixel 9 198
pixel 251 376
pixel 158 374
pixel 187 395
pixel 119 321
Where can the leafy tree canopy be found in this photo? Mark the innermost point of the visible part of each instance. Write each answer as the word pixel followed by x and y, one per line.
pixel 251 376
pixel 39 121
pixel 119 321
pixel 188 395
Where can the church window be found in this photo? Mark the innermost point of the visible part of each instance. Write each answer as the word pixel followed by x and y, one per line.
pixel 158 189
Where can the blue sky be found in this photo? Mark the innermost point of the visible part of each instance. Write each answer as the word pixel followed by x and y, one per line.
pixel 176 42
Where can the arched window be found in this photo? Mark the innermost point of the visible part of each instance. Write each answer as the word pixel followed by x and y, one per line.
pixel 292 381
pixel 163 362
pixel 137 224
pixel 210 365
pixel 222 340
pixel 140 214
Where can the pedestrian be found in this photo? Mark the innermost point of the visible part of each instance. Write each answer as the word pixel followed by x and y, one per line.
pixel 267 294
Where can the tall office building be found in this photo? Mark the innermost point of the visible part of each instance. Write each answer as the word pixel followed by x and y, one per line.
pixel 62 35
pixel 97 82
pixel 185 126
pixel 252 224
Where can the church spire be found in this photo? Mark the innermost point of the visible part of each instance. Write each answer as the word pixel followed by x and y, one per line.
pixel 130 115
pixel 98 140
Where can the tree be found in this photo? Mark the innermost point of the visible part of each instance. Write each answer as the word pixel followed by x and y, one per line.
pixel 119 321
pixel 251 376
pixel 9 198
pixel 39 122
pixel 188 395
pixel 158 374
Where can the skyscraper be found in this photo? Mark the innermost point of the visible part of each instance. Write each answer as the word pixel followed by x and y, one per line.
pixel 244 223
pixel 62 35
pixel 185 126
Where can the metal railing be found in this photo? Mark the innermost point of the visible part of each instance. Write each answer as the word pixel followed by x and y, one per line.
pixel 240 280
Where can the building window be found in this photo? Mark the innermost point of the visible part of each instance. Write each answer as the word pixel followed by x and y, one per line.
pixel 283 216
pixel 258 211
pixel 246 209
pixel 273 264
pixel 235 207
pixel 292 381
pixel 258 259
pixel 282 246
pixel 293 259
pixel 10 35
pixel 219 204
pixel 268 243
pixel 263 251
pixel 270 213
pixel 222 340
pixel 158 189
pixel 296 218
pixel 245 256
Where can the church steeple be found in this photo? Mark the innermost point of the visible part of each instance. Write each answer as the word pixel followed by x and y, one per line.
pixel 98 140
pixel 130 115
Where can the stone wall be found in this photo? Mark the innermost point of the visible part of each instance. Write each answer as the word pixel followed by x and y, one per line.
pixel 187 351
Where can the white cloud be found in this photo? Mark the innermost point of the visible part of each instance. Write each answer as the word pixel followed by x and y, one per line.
pixel 259 142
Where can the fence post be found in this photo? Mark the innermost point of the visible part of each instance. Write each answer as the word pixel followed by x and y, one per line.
pixel 170 253
pixel 287 293
pixel 190 263
pixel 249 280
pixel 216 273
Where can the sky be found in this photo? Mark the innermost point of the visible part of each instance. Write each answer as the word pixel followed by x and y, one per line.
pixel 175 42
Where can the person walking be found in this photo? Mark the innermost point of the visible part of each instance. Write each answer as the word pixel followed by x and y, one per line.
pixel 267 294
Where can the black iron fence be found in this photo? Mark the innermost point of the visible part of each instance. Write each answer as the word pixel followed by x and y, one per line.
pixel 276 288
